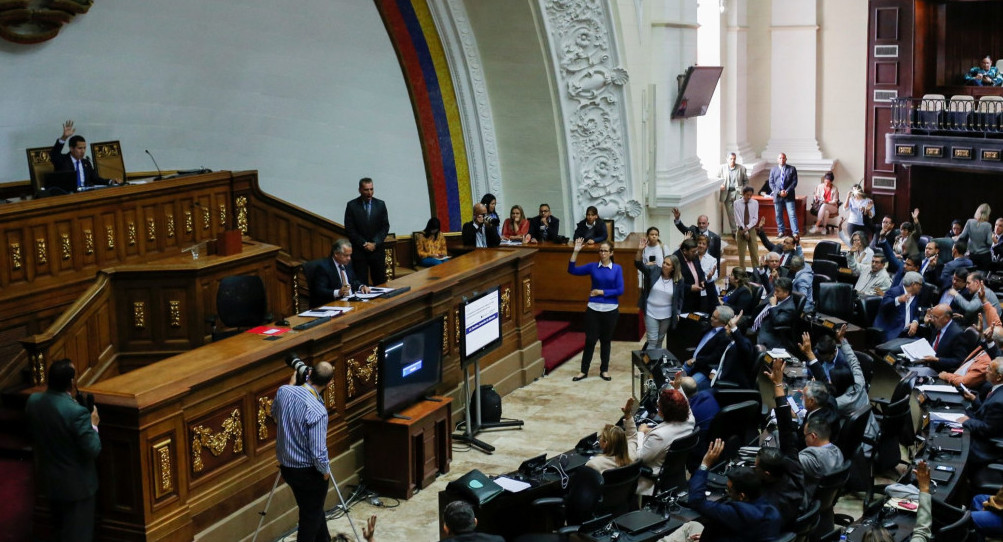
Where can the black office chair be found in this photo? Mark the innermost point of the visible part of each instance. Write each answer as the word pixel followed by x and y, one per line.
pixel 817 279
pixel 829 489
pixel 673 471
pixel 824 249
pixel 970 338
pixel 894 426
pixel 578 505
pixel 825 267
pixel 241 303
pixel 619 490
pixel 835 299
pixel 736 425
pixel 728 397
pixel 950 522
pixel 851 433
pixel 807 521
pixel 866 365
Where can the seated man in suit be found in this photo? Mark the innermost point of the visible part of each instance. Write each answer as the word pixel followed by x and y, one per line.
pixel 802 281
pixel 875 281
pixel 898 267
pixel 823 358
pixel 898 314
pixel 710 349
pixel 703 404
pixel 974 370
pixel 984 420
pixel 334 278
pixel 737 361
pixel 544 226
pixel 765 276
pixel 931 265
pixel 945 339
pixel 787 249
pixel 960 261
pixel 975 304
pixel 779 312
pixel 477 233
pixel 75 160
pixel 702 227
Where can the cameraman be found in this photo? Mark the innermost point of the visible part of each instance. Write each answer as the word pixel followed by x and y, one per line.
pixel 301 447
pixel 66 441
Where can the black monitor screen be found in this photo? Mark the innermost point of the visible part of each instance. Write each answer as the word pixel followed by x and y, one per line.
pixel 697 91
pixel 410 365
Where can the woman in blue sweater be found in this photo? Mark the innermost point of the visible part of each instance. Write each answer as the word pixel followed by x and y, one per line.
pixel 603 309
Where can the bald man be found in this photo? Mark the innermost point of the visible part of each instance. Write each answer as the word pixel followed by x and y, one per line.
pixel 945 337
pixel 702 227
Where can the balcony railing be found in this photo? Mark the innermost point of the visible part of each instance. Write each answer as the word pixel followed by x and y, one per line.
pixel 957 116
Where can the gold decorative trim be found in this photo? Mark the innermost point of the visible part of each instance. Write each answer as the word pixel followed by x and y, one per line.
pixel 139 314
pixel 170 225
pixel 216 443
pixel 37 360
pixel 506 301
pixel 163 473
pixel 64 245
pixel 41 251
pixel 88 242
pixel 388 260
pixel 222 216
pixel 151 229
pixel 445 333
pixel 527 294
pixel 242 214
pixel 175 313
pixel 131 233
pixel 296 289
pixel 456 326
pixel 189 222
pixel 106 150
pixel 330 395
pixel 206 218
pixel 264 413
pixel 110 231
pixel 361 372
pixel 15 256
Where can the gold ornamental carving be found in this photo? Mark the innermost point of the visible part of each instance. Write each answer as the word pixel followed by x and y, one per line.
pixel 139 314
pixel 216 442
pixel 41 251
pixel 110 231
pixel 264 413
pixel 506 301
pixel 88 242
pixel 37 368
pixel 151 229
pixel 26 22
pixel 170 225
pixel 189 222
pixel 163 472
pixel 296 289
pixel 388 260
pixel 456 326
pixel 362 371
pixel 222 216
pixel 445 333
pixel 131 233
pixel 175 313
pixel 15 256
pixel 242 214
pixel 330 395
pixel 527 294
pixel 64 245
pixel 206 218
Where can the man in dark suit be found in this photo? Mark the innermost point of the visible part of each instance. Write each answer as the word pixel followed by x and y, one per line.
pixel 693 277
pixel 779 312
pixel 702 227
pixel 710 348
pixel 946 340
pixel 960 261
pixel 898 314
pixel 787 248
pixel 478 233
pixel 783 180
pixel 333 277
pixel 766 276
pixel 66 442
pixel 736 361
pixel 984 420
pixel 76 160
pixel 931 266
pixel 459 522
pixel 368 224
pixel 544 226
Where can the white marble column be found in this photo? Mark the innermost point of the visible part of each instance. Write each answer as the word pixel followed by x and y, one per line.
pixel 680 178
pixel 793 89
pixel 734 86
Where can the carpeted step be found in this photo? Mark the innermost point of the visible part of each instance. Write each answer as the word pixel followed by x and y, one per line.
pixel 549 329
pixel 17 492
pixel 562 348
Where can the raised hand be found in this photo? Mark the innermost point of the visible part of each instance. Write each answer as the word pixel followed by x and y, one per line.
pixel 915 215
pixel 369 529
pixel 776 372
pixel 734 321
pixel 713 452
pixel 68 130
pixel 841 333
pixel 629 408
pixel 806 345
pixel 675 213
pixel 644 243
pixel 578 243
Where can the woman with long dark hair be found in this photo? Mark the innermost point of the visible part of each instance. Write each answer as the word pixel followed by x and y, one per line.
pixel 431 244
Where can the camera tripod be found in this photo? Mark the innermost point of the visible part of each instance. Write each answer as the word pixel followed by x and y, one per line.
pixel 271 493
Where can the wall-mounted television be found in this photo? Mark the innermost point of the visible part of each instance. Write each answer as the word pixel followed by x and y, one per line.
pixel 696 91
pixel 480 321
pixel 410 364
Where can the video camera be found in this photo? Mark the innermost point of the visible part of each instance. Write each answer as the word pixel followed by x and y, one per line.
pixel 299 366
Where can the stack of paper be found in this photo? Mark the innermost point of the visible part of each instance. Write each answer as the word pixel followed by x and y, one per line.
pixel 918 349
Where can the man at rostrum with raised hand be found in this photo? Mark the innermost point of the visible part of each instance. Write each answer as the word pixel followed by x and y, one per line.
pixel 76 160
pixel 368 225
pixel 301 447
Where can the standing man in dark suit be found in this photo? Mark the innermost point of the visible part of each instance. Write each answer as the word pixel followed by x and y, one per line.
pixel 945 339
pixel 984 421
pixel 702 227
pixel 76 160
pixel 693 277
pixel 367 224
pixel 783 180
pixel 66 442
pixel 334 278
pixel 544 226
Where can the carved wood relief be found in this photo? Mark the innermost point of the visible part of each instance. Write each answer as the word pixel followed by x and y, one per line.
pixel 216 441
pixel 27 21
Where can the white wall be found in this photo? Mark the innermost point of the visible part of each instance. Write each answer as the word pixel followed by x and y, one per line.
pixel 312 96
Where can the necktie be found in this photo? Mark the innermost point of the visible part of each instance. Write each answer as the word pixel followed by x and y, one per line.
pixel 344 277
pixel 936 342
pixel 80 178
pixel 368 207
pixel 745 217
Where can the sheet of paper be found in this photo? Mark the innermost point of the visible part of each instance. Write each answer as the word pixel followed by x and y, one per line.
pixel 950 417
pixel 918 349
pixel 380 289
pixel 370 295
pixel 941 388
pixel 508 484
pixel 325 311
pixel 779 353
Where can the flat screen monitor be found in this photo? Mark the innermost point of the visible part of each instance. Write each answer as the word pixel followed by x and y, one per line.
pixel 697 91
pixel 410 364
pixel 480 322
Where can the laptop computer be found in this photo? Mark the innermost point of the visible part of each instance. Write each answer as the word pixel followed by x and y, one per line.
pixel 639 520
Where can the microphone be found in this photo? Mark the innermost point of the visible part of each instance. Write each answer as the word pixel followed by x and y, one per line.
pixel 160 174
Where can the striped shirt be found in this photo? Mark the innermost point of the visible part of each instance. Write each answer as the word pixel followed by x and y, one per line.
pixel 301 418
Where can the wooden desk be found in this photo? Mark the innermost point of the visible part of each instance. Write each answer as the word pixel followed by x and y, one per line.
pixel 407 454
pixel 767 210
pixel 187 441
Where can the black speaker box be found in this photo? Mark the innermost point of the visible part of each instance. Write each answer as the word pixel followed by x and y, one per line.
pixel 490 403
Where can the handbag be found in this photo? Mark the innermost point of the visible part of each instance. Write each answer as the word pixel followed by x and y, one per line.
pixel 815 206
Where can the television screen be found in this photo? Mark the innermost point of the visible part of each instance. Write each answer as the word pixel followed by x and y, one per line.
pixel 697 91
pixel 410 365
pixel 481 324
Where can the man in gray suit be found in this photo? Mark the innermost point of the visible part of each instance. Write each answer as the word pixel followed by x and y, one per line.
pixel 733 179
pixel 66 441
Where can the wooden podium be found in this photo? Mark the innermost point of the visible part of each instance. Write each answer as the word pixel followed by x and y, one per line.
pixel 401 455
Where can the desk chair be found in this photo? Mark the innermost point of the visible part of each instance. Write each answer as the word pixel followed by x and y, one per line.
pixel 39 165
pixel 580 503
pixel 959 112
pixel 735 424
pixel 673 471
pixel 807 521
pixel 829 489
pixel 619 490
pixel 241 303
pixel 929 116
pixel 987 114
pixel 851 434
pixel 825 249
pixel 950 522
pixel 835 299
pixel 894 426
pixel 108 159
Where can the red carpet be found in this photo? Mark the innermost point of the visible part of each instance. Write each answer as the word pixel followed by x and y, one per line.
pixel 559 343
pixel 17 493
